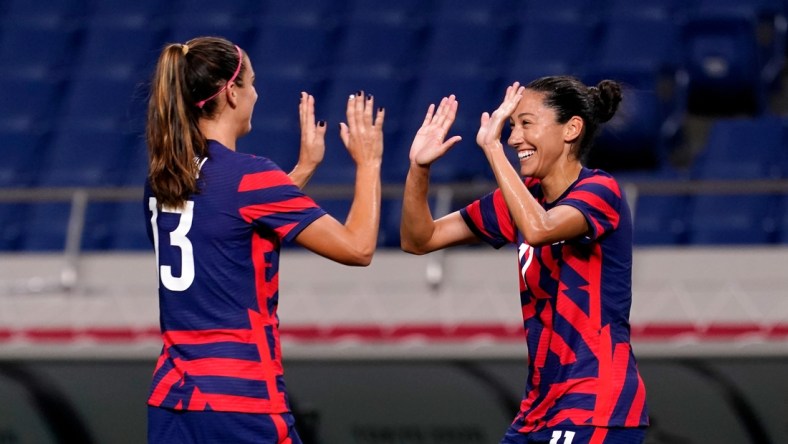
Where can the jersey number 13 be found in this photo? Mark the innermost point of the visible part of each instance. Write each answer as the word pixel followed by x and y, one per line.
pixel 178 240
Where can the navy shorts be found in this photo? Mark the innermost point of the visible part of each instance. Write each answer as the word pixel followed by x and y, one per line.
pixel 577 435
pixel 188 427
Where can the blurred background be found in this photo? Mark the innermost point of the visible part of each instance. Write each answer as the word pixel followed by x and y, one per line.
pixel 411 350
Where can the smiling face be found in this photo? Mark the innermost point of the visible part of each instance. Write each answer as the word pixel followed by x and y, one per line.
pixel 540 141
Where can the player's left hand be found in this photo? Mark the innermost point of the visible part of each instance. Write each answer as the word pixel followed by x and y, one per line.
pixel 489 134
pixel 313 134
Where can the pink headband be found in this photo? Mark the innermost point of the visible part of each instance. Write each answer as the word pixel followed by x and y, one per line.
pixel 201 103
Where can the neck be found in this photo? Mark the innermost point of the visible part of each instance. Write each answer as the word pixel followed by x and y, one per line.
pixel 218 131
pixel 559 180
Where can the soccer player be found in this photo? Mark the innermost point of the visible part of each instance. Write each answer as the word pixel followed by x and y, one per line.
pixel 572 231
pixel 217 219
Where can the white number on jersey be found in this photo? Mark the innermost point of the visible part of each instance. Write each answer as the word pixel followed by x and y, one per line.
pixel 526 251
pixel 567 435
pixel 179 240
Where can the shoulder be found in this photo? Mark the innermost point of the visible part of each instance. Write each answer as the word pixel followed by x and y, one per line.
pixel 599 180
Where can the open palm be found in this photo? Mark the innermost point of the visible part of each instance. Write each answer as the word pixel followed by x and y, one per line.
pixel 489 134
pixel 429 143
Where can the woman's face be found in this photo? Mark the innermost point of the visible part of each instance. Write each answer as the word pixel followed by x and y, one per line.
pixel 247 95
pixel 536 135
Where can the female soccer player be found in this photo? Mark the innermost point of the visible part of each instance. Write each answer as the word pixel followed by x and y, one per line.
pixel 572 230
pixel 217 219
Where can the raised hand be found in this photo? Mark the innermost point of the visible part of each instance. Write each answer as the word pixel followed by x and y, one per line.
pixel 363 136
pixel 429 143
pixel 489 134
pixel 313 136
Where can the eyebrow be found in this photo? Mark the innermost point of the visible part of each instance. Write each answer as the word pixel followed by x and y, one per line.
pixel 525 114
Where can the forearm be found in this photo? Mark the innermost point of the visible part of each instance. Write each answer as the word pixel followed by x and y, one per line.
pixel 417 225
pixel 363 220
pixel 301 173
pixel 530 218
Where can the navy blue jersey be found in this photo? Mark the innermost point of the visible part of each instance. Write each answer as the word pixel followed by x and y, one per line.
pixel 576 297
pixel 218 266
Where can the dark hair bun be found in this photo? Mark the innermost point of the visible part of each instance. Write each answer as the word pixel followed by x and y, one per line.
pixel 606 96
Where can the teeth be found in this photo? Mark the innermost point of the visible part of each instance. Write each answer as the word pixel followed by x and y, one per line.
pixel 525 154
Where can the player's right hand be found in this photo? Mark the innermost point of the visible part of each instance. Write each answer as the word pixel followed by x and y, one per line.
pixel 363 135
pixel 429 144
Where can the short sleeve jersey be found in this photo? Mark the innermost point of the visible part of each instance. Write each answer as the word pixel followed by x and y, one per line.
pixel 217 259
pixel 576 297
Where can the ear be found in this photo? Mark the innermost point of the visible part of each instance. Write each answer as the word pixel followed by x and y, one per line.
pixel 573 128
pixel 231 95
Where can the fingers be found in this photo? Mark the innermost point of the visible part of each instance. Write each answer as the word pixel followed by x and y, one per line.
pixel 344 133
pixel 428 117
pixel 380 117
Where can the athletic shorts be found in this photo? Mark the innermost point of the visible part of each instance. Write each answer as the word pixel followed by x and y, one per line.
pixel 577 435
pixel 167 426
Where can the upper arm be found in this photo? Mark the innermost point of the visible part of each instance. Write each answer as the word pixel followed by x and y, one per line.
pixel 563 222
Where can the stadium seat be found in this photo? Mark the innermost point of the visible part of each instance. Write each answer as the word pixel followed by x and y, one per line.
pixel 465 48
pixel 46 225
pixel 553 45
pixel 642 53
pixel 78 157
pixel 21 154
pixel 37 50
pixel 660 220
pixel 561 9
pixel 120 47
pixel 724 63
pixel 782 221
pixel 12 226
pixel 658 9
pixel 129 227
pixel 732 219
pixel 100 103
pixel 742 148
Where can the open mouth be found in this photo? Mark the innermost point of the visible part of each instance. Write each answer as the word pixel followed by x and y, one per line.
pixel 522 155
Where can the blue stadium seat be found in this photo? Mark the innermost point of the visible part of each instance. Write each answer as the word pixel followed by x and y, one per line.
pixel 37 50
pixel 732 219
pixel 21 154
pixel 465 48
pixel 552 45
pixel 46 225
pixel 563 9
pixel 724 63
pixel 104 104
pixel 12 226
pixel 35 102
pixel 660 220
pixel 661 9
pixel 782 221
pixel 120 47
pixel 84 158
pixel 642 53
pixel 129 227
pixel 742 149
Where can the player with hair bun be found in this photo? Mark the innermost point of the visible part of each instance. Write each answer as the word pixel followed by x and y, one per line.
pixel 572 230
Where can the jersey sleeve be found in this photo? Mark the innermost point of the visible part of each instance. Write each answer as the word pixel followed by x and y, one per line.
pixel 490 220
pixel 270 200
pixel 599 199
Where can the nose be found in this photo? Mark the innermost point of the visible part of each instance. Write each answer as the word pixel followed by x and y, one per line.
pixel 515 138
